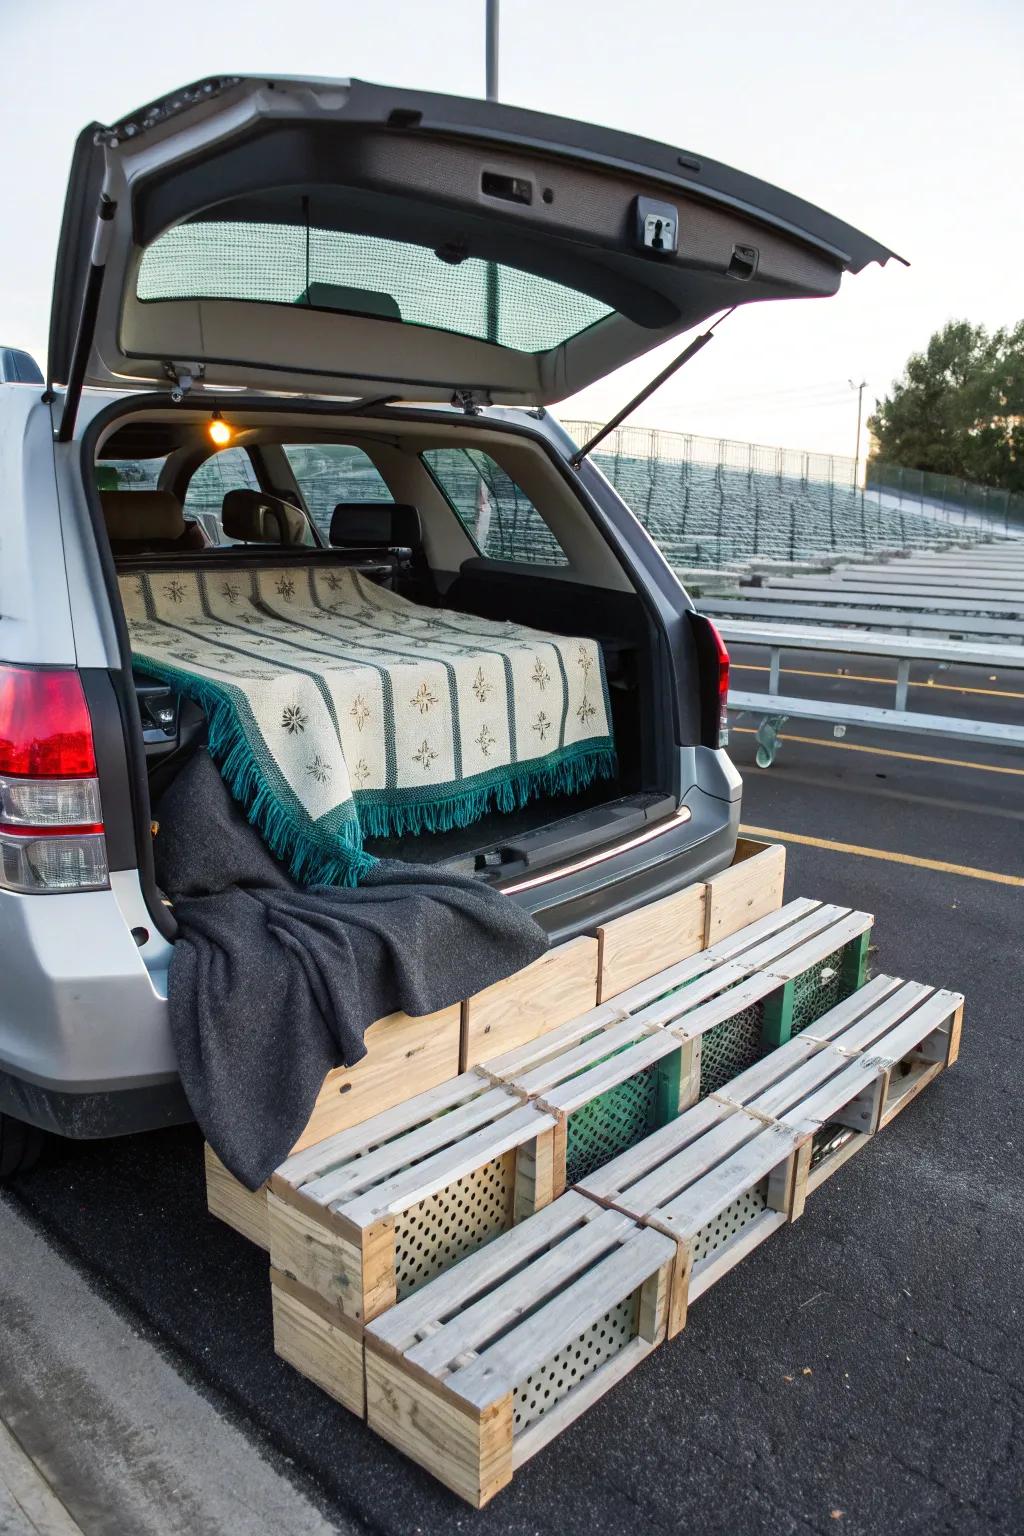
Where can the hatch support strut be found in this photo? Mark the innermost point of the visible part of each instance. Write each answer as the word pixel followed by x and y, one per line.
pixel 87 318
pixel 666 373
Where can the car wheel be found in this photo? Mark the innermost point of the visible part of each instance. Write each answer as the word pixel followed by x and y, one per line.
pixel 21 1147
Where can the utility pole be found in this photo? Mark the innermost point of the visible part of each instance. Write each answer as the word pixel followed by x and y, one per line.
pixel 492 50
pixel 860 388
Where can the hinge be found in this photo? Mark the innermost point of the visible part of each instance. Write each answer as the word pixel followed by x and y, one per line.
pixel 183 375
pixel 472 401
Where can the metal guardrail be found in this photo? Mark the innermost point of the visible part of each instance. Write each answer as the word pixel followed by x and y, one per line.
pixel 774 708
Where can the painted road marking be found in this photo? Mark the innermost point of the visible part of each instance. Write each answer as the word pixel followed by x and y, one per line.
pixel 912 757
pixel 887 855
pixel 857 677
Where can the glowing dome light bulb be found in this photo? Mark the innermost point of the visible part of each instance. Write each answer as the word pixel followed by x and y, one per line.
pixel 220 433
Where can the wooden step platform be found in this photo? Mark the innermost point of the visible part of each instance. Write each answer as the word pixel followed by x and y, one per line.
pixel 474 1374
pixel 486 1364
pixel 473 1265
pixel 363 1219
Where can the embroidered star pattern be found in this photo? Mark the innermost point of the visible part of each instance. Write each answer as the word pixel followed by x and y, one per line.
pixel 481 686
pixel 542 725
pixel 425 756
pixel 360 711
pixel 285 587
pixel 540 674
pixel 230 591
pixel 486 740
pixel 294 719
pixel 586 711
pixel 423 699
pixel 175 591
pixel 361 772
pixel 319 770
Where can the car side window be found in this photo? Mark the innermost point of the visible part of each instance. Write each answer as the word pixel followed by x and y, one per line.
pixel 229 470
pixel 128 474
pixel 496 513
pixel 329 473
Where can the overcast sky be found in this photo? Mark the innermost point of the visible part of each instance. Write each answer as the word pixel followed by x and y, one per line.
pixel 906 119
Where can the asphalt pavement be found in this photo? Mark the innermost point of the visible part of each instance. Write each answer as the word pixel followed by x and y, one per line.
pixel 861 1372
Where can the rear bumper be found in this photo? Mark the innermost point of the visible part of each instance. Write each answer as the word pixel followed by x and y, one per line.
pixel 85 1040
pixel 87 1116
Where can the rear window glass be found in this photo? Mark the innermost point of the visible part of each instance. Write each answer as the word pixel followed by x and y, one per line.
pixel 364 275
pixel 329 473
pixel 498 516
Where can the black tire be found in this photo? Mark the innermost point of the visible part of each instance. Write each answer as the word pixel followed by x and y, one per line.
pixel 21 1147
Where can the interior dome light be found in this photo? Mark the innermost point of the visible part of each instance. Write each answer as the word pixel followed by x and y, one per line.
pixel 220 433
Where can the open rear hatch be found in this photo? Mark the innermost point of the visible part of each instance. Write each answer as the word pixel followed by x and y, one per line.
pixel 253 231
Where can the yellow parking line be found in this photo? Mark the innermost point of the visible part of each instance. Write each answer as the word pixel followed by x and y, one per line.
pixel 885 854
pixel 858 677
pixel 913 757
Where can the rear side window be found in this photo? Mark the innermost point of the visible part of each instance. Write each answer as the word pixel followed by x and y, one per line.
pixel 496 513
pixel 129 474
pixel 329 473
pixel 229 470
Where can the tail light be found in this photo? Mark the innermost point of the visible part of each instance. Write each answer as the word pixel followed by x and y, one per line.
pixel 714 682
pixel 51 822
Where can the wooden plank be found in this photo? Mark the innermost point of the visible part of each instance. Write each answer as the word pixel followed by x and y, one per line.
pixel 457 1289
pixel 749 889
pixel 653 937
pixel 469 1453
pixel 404 1056
pixel 551 991
pixel 323 1346
pixel 232 1203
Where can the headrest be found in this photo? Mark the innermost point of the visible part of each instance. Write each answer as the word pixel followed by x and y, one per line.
pixel 375 525
pixel 257 518
pixel 142 516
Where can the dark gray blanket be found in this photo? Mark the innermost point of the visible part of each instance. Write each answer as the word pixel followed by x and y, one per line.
pixel 271 985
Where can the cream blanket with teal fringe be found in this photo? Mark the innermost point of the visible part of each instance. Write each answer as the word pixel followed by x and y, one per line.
pixel 339 710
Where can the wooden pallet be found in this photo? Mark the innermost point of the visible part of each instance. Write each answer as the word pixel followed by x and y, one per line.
pixel 727 1173
pixel 474 1374
pixel 367 1216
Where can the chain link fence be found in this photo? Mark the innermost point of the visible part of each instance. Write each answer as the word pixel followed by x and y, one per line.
pixel 711 502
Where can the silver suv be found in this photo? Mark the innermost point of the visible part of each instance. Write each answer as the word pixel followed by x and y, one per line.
pixel 322 321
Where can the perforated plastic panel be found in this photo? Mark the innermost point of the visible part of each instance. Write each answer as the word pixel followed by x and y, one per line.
pixel 611 1123
pixel 741 1213
pixel 432 1236
pixel 556 1378
pixel 730 1048
pixel 820 989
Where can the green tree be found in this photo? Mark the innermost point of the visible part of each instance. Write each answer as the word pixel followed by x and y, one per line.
pixel 959 407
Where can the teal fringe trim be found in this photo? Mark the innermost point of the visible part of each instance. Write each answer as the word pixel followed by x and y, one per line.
pixel 572 771
pixel 286 833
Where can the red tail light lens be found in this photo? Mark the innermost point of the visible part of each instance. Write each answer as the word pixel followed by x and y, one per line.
pixel 45 730
pixel 723 685
pixel 51 826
